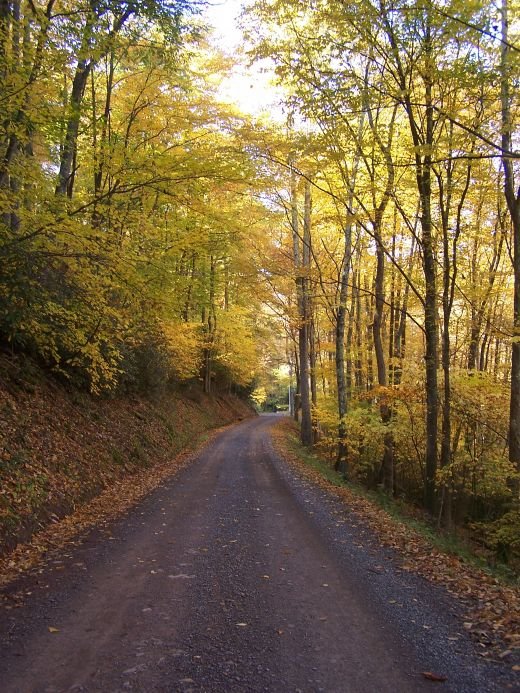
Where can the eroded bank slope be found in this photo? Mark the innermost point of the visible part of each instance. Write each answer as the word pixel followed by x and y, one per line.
pixel 60 448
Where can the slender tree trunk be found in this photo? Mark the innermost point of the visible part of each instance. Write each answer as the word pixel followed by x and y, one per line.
pixel 387 466
pixel 484 347
pixel 341 464
pixel 513 204
pixel 105 127
pixel 422 132
pixel 66 174
pixel 445 460
pixel 314 388
pixel 311 326
pixel 297 399
pixel 211 327
pixel 85 64
pixel 399 347
pixel 306 422
pixel 430 303
pixel 349 341
pixel 358 360
pixel 301 264
pixel 430 315
pixel 366 383
pixel 449 278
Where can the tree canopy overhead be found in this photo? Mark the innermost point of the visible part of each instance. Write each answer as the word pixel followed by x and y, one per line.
pixel 151 232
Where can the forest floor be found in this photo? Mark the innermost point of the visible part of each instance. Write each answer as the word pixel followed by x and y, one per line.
pixel 242 572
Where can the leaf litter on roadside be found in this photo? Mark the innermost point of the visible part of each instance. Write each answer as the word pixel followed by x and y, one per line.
pixel 434 677
pixel 492 609
pixel 46 546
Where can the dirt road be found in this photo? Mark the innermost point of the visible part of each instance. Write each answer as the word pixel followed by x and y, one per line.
pixel 234 576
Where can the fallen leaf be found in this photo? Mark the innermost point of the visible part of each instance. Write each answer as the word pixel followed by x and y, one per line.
pixel 434 677
pixel 53 630
pixel 181 576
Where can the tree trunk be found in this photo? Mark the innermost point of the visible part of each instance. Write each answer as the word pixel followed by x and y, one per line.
pixel 430 327
pixel 296 397
pixel 445 515
pixel 301 264
pixel 84 65
pixel 66 174
pixel 422 132
pixel 341 464
pixel 513 205
pixel 312 343
pixel 105 127
pixel 387 466
pixel 211 327
pixel 350 341
pixel 430 303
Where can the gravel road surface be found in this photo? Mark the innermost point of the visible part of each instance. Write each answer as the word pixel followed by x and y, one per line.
pixel 233 576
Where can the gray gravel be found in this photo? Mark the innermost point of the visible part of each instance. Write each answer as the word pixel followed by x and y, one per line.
pixel 237 575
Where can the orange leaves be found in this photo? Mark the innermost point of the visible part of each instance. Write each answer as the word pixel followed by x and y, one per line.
pixel 434 677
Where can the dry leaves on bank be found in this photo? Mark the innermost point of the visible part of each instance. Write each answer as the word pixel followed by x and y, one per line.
pixel 109 505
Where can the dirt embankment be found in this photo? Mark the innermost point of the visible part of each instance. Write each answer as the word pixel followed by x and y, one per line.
pixel 60 448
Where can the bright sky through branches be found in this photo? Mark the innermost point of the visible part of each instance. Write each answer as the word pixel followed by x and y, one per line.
pixel 249 88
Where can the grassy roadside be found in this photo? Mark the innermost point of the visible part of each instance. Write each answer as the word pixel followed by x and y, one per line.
pixel 449 543
pixel 490 600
